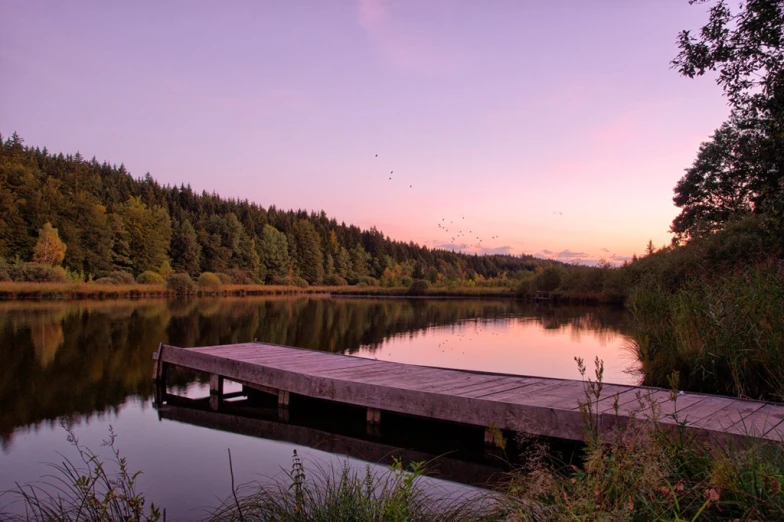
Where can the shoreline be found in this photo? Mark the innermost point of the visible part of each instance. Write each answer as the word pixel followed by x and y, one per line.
pixel 26 291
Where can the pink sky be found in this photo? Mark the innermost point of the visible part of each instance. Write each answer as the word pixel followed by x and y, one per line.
pixel 556 126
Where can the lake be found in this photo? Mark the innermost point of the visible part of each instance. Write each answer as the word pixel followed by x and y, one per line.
pixel 90 363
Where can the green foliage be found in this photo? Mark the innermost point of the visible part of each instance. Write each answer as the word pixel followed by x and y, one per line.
pixel 225 279
pixel 240 277
pixel 120 277
pixel 299 282
pixel 548 280
pixel 643 470
pixel 150 278
pixel 274 252
pixel 88 489
pixel 335 280
pixel 181 284
pixel 165 270
pixel 209 281
pixel 419 287
pixel 722 332
pixel 112 221
pixel 185 248
pixel 367 281
pixel 148 232
pixel 740 169
pixel 37 273
pixel 310 258
pixel 49 249
pixel 344 494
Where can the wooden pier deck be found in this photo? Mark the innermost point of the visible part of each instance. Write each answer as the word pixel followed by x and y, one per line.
pixel 534 405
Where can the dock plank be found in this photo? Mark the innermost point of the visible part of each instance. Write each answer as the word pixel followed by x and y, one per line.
pixel 536 405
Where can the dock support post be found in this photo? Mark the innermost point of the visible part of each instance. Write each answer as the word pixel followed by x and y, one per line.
pixel 216 391
pixel 373 416
pixel 159 374
pixel 283 405
pixel 373 422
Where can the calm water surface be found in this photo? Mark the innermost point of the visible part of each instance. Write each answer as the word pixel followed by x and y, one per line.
pixel 90 363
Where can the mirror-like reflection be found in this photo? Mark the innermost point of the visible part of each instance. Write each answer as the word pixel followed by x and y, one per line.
pixel 91 362
pixel 66 358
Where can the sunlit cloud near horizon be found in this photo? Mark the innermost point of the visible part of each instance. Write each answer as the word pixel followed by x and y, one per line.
pixel 551 129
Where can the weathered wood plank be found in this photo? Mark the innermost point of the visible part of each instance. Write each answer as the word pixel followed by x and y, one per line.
pixel 535 405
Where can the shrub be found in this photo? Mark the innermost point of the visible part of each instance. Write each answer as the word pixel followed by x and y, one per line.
pixel 240 277
pixel 165 270
pixel 4 276
pixel 369 281
pixel 282 281
pixel 335 280
pixel 104 281
pixel 419 287
pixel 209 281
pixel 548 280
pixel 225 279
pixel 122 278
pixel 37 273
pixel 181 284
pixel 407 281
pixel 150 278
pixel 298 281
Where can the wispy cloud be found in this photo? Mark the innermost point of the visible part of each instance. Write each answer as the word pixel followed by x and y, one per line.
pixel 451 246
pixel 616 257
pixel 403 47
pixel 504 250
pixel 568 254
pixel 605 250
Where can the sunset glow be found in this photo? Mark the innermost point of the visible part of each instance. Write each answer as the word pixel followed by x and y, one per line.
pixel 553 129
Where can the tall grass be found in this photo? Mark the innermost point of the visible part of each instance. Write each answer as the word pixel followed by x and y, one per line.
pixel 346 495
pixel 89 489
pixel 724 333
pixel 644 471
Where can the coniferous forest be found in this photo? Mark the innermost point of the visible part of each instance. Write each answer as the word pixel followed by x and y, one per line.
pixel 110 223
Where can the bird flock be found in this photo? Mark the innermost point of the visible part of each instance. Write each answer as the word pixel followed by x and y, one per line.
pixel 450 231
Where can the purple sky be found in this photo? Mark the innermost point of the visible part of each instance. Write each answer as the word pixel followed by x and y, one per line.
pixel 556 126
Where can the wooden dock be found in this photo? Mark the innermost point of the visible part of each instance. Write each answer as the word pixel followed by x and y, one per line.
pixel 534 405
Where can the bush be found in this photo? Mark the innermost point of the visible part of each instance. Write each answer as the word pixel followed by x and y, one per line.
pixel 335 280
pixel 407 281
pixel 298 281
pixel 150 278
pixel 225 279
pixel 240 277
pixel 369 281
pixel 419 287
pixel 122 278
pixel 104 281
pixel 209 281
pixel 181 284
pixel 282 281
pixel 548 280
pixel 37 273
pixel 4 276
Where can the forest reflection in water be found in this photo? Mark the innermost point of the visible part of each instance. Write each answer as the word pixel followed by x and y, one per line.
pixel 76 358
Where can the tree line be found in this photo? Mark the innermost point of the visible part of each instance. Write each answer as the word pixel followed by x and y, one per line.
pixel 109 222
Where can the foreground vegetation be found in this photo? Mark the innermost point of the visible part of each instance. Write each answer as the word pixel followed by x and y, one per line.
pixel 644 470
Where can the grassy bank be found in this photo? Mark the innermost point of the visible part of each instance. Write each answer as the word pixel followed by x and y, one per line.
pixel 69 290
pixel 28 290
